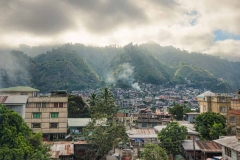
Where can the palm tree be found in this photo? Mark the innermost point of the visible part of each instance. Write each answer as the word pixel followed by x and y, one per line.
pixel 92 99
pixel 107 96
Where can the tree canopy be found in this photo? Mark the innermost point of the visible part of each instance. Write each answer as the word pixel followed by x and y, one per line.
pixel 153 152
pixel 103 105
pixel 171 136
pixel 210 125
pixel 17 140
pixel 103 132
pixel 77 107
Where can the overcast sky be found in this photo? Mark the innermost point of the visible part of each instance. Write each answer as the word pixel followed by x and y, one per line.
pixel 208 26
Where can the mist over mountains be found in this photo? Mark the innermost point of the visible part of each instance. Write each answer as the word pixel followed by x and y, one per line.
pixel 76 66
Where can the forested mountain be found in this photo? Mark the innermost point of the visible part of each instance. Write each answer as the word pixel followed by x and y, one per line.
pixel 62 69
pixel 76 66
pixel 144 67
pixel 220 68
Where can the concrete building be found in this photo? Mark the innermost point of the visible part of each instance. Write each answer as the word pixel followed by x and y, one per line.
pixel 213 102
pixel 45 114
pixel 233 114
pixel 16 103
pixel 48 115
pixel 19 90
pixel 190 117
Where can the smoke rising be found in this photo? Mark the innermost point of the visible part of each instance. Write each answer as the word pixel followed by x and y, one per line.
pixel 124 73
pixel 14 67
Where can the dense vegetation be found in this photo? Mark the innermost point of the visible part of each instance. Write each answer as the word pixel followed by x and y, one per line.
pixel 210 125
pixel 76 66
pixel 17 140
pixel 103 132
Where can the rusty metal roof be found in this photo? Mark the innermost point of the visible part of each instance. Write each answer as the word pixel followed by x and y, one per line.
pixel 209 146
pixel 3 99
pixel 61 149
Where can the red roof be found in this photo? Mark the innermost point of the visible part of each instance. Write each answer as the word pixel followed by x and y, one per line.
pixel 209 146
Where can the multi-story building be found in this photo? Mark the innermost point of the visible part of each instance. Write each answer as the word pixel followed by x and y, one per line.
pixel 213 102
pixel 233 116
pixel 46 114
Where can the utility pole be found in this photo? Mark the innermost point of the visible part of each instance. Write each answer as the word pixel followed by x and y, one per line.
pixel 194 151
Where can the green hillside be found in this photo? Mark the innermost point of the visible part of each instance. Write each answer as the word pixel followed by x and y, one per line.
pixel 145 67
pixel 62 69
pixel 199 78
pixel 220 68
pixel 76 66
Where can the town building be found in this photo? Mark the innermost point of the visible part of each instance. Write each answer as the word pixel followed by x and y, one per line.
pixel 190 117
pixel 47 114
pixel 233 116
pixel 213 102
pixel 201 150
pixel 16 103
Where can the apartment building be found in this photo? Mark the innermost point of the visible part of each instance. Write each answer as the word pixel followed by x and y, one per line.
pixel 233 116
pixel 46 114
pixel 214 102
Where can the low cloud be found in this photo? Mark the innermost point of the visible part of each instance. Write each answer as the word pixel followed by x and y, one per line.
pixel 184 24
pixel 226 48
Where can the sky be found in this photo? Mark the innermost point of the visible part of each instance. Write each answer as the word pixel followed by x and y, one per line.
pixel 207 26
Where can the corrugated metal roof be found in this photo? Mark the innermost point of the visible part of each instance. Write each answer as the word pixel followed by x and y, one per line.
pixel 77 122
pixel 3 99
pixel 142 133
pixel 188 145
pixel 190 128
pixel 61 149
pixel 231 142
pixel 13 99
pixel 209 146
pixel 19 89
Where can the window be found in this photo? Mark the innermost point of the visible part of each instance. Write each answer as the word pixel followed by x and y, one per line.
pixel 238 155
pixel 36 125
pixel 144 124
pixel 56 105
pixel 54 114
pixel 38 105
pixel 228 151
pixel 232 119
pixel 44 105
pixel 60 104
pixel 223 109
pixel 204 108
pixel 36 115
pixel 222 99
pixel 154 124
pixel 53 125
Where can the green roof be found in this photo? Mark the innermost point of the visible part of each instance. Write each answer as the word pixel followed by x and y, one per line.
pixel 19 89
pixel 124 111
